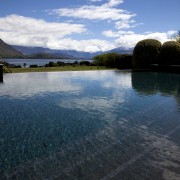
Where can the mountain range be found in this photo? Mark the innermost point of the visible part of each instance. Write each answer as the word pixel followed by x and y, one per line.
pixel 16 51
pixel 67 53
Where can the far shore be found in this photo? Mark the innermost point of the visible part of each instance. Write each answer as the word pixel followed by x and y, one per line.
pixel 59 68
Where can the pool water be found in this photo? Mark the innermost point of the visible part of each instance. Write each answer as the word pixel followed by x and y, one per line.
pixel 90 125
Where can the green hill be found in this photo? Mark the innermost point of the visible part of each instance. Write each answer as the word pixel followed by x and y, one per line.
pixel 7 51
pixel 42 56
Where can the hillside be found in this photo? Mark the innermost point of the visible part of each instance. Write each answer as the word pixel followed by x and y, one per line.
pixel 7 51
pixel 28 51
pixel 67 53
pixel 41 56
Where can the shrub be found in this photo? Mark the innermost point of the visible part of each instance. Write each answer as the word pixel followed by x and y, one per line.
pixel 124 61
pixel 108 59
pixel 33 66
pixel 177 37
pixel 5 67
pixel 17 66
pixel 145 53
pixel 61 63
pixel 170 53
pixel 114 60
pixel 85 63
pixel 51 64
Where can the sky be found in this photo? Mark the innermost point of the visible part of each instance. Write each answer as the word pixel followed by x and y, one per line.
pixel 87 25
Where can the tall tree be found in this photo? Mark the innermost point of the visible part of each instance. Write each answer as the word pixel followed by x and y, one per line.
pixel 177 36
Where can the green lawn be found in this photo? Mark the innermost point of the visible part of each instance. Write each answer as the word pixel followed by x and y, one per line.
pixel 59 68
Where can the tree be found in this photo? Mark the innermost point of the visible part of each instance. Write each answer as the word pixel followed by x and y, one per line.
pixel 114 60
pixel 108 59
pixel 177 37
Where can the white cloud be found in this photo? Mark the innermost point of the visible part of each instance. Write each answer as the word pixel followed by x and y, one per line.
pixel 24 25
pixel 113 3
pixel 91 45
pixel 19 30
pixel 110 33
pixel 125 24
pixel 130 40
pixel 22 30
pixel 95 0
pixel 105 11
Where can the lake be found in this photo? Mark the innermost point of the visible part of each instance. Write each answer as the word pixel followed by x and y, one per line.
pixel 90 125
pixel 40 62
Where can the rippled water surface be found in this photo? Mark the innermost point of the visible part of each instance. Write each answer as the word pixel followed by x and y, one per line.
pixel 90 125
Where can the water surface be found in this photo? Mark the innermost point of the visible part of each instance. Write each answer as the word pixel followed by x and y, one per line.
pixel 90 125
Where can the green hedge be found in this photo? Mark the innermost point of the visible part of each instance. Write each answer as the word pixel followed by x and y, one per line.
pixel 146 52
pixel 170 53
pixel 114 60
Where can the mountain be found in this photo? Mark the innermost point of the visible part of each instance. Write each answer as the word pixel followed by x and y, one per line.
pixel 42 56
pixel 15 51
pixel 122 50
pixel 59 53
pixel 7 51
pixel 67 53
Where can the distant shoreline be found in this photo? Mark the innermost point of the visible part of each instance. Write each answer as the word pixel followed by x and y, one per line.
pixel 56 69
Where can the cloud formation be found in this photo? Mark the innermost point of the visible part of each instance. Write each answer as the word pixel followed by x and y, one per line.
pixel 91 45
pixel 112 34
pixel 22 25
pixel 105 11
pixel 26 30
pixel 113 3
pixel 130 39
pixel 125 24
pixel 95 0
pixel 93 34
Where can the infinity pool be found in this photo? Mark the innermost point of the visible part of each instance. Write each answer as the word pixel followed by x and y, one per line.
pixel 90 125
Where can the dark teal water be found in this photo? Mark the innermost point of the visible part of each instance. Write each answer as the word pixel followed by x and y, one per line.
pixel 90 125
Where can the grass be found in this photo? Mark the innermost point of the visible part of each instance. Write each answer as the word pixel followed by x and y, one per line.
pixel 59 68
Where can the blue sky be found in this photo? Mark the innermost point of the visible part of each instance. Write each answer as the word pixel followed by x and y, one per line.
pixel 87 25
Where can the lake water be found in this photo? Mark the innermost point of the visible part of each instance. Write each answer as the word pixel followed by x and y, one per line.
pixel 40 62
pixel 90 125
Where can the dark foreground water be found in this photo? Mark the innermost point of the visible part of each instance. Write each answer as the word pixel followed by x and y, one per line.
pixel 90 125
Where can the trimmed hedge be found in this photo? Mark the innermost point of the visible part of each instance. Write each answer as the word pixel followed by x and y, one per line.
pixel 170 53
pixel 114 60
pixel 146 52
